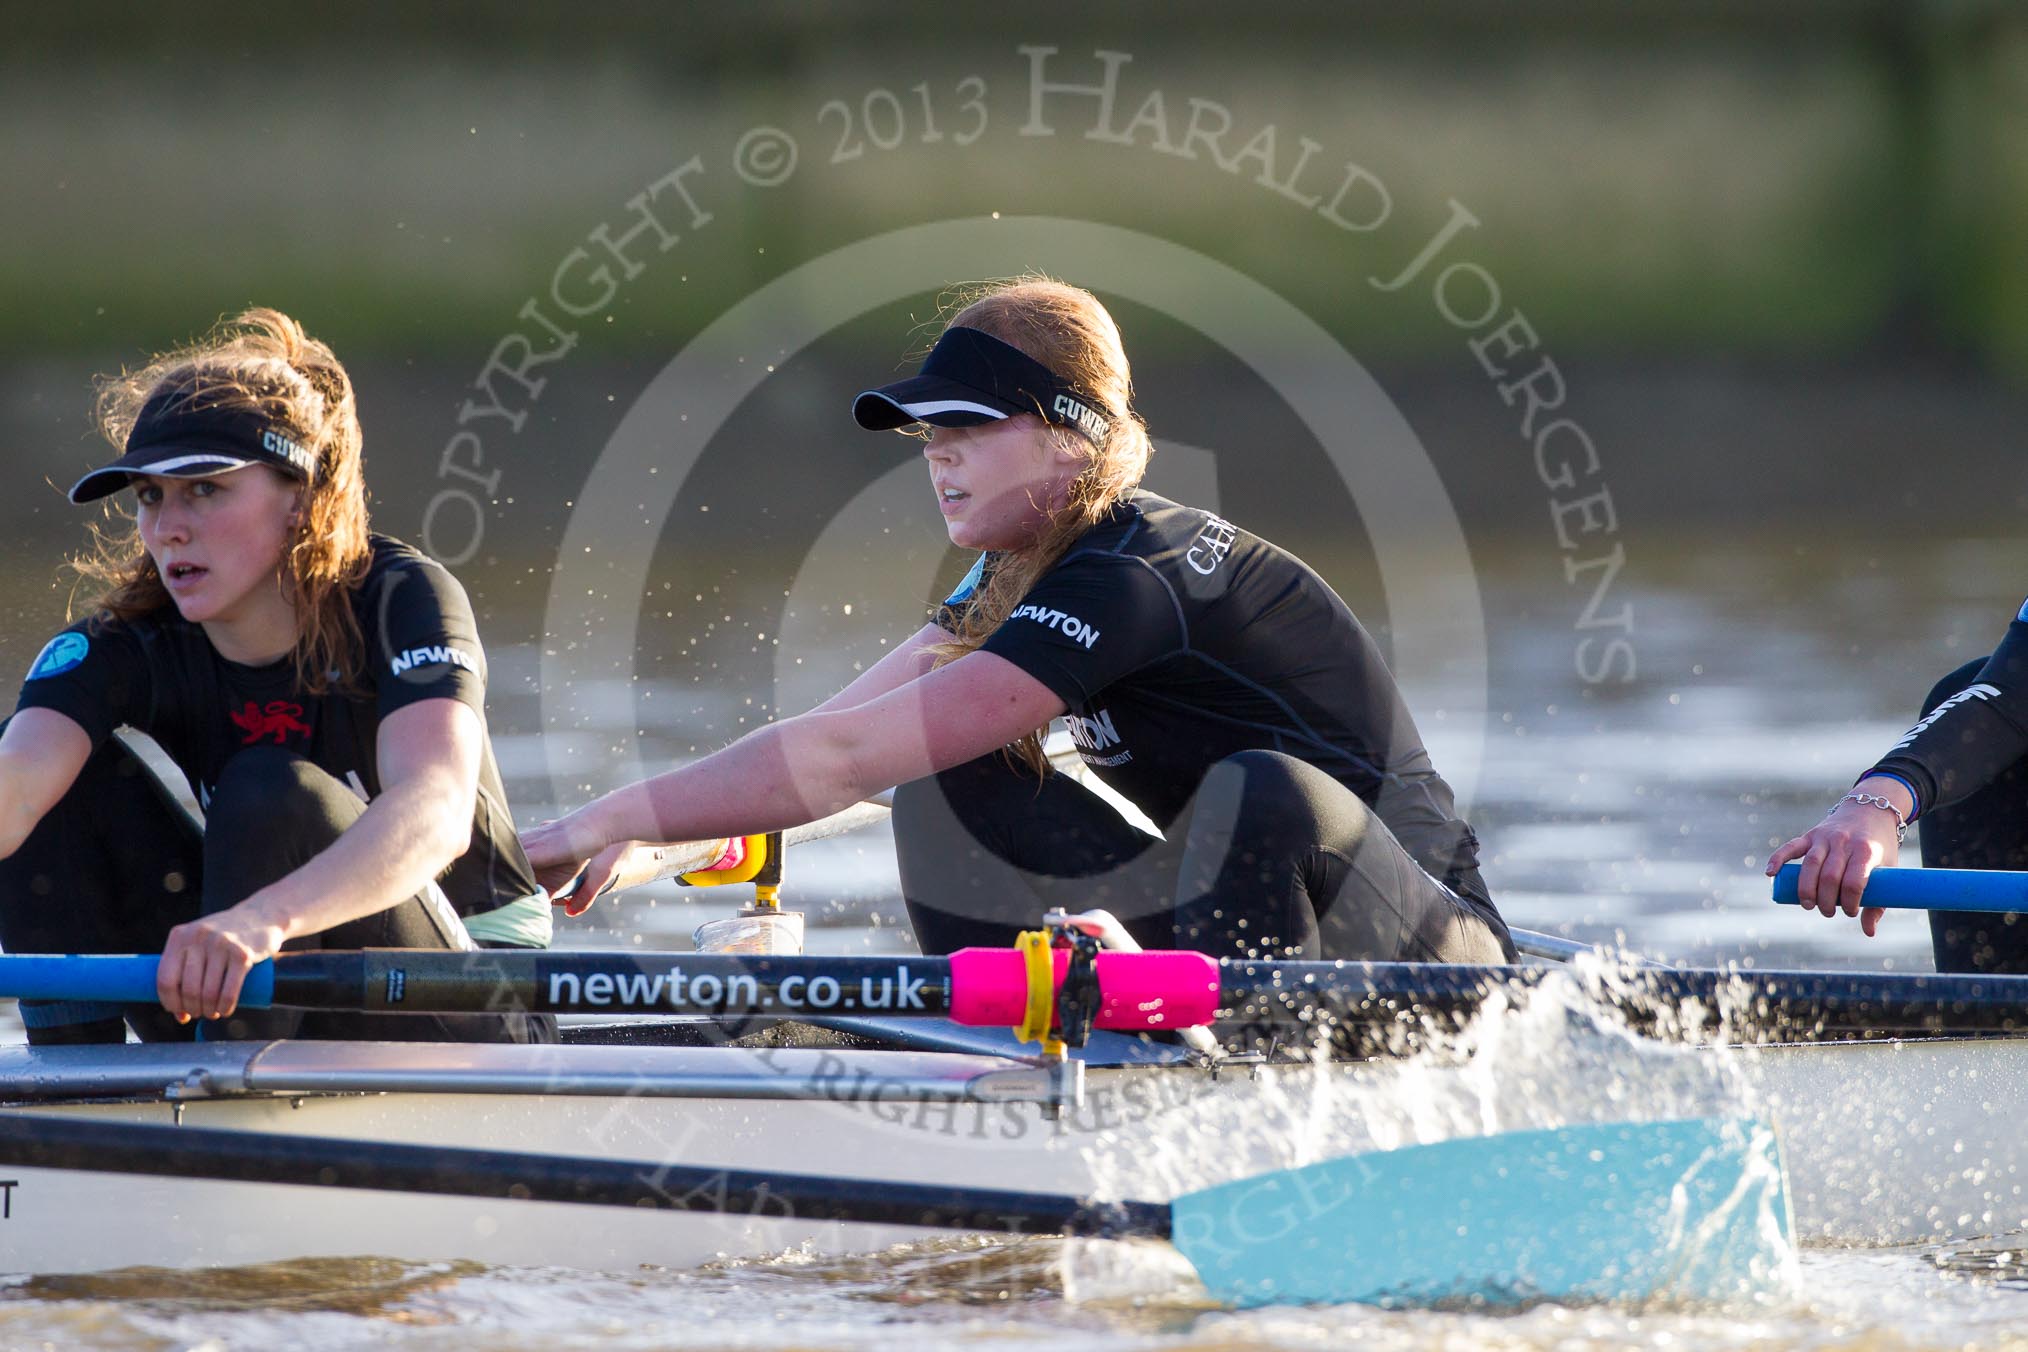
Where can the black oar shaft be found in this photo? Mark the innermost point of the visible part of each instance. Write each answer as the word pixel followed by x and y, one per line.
pixel 318 1161
pixel 389 980
pixel 1749 1004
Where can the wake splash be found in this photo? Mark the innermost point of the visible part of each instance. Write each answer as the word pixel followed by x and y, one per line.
pixel 1541 1058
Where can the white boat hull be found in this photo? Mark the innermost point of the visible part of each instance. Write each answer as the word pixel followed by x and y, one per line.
pixel 1886 1143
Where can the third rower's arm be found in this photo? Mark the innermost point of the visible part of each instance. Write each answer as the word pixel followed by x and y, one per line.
pixel 1840 853
pixel 806 767
pixel 1959 747
pixel 428 755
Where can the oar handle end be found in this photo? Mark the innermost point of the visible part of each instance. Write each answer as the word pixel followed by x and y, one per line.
pixel 1994 891
pixel 127 979
pixel 258 990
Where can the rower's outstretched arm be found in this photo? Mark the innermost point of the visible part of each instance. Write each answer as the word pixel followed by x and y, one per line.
pixel 907 661
pixel 616 869
pixel 807 767
pixel 41 753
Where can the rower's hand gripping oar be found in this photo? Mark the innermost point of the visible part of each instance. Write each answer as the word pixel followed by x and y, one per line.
pixel 763 927
pixel 755 858
pixel 1927 889
pixel 697 863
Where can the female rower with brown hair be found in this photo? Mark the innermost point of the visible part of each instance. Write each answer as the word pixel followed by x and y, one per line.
pixel 1209 677
pixel 321 688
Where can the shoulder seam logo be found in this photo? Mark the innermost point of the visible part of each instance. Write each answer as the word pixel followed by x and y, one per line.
pixel 1211 546
pixel 1070 626
pixel 433 655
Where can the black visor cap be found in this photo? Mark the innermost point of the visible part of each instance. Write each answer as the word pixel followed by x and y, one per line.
pixel 970 378
pixel 173 438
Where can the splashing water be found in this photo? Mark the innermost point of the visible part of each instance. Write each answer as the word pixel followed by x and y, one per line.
pixel 1546 1057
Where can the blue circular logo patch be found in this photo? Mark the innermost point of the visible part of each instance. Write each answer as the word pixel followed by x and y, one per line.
pixel 59 655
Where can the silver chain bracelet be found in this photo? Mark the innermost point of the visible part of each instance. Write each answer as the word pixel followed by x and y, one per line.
pixel 1880 801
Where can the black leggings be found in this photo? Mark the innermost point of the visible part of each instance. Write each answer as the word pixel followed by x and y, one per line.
pixel 1272 858
pixel 1988 829
pixel 117 864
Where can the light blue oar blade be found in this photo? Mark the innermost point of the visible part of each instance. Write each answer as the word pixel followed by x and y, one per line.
pixel 92 976
pixel 1928 889
pixel 1693 1210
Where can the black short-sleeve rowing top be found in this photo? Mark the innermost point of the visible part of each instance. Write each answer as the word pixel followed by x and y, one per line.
pixel 161 675
pixel 1176 639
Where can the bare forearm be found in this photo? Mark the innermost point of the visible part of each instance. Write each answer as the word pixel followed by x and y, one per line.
pixel 822 762
pixel 18 815
pixel 777 776
pixel 906 662
pixel 41 753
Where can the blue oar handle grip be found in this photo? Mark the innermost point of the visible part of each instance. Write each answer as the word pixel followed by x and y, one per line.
pixel 1928 889
pixel 122 980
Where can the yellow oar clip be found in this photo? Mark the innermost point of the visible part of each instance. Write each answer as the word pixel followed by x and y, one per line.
pixel 752 859
pixel 1039 960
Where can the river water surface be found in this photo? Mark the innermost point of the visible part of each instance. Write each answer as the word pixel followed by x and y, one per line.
pixel 1769 673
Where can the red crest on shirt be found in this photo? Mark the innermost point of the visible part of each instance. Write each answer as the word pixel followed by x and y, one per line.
pixel 278 720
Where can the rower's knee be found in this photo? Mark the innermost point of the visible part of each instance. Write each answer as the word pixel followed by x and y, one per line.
pixel 268 790
pixel 1270 792
pixel 270 813
pixel 49 1023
